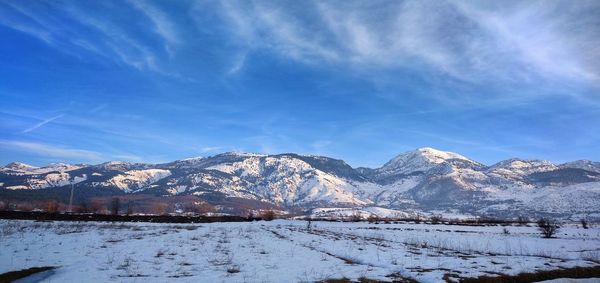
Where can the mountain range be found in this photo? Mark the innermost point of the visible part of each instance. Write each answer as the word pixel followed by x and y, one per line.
pixel 424 180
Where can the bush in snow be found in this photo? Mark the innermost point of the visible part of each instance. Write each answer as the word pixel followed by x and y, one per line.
pixel 436 219
pixel 547 227
pixel 373 219
pixel 584 223
pixel 355 217
pixel 522 220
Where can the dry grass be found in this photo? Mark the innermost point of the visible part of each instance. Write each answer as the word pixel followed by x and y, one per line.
pixel 575 272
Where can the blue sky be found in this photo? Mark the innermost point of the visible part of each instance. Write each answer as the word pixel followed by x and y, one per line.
pixel 154 81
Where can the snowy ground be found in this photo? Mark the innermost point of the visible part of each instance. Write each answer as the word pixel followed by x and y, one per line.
pixel 285 251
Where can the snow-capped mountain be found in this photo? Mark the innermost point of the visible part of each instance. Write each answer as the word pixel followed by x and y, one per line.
pixel 424 179
pixel 422 160
pixel 26 169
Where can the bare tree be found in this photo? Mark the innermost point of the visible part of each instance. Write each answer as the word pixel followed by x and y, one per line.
pixel 268 215
pixel 199 207
pixel 115 206
pixel 52 206
pixel 25 206
pixel 547 227
pixel 160 208
pixel 82 208
pixel 129 208
pixel 96 205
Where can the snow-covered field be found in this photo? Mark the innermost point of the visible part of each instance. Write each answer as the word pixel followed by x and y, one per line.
pixel 285 251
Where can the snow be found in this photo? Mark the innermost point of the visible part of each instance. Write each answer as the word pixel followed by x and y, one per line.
pixel 137 179
pixel 363 212
pixel 521 167
pixel 17 187
pixel 55 180
pixel 285 250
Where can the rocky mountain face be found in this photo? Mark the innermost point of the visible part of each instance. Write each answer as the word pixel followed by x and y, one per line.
pixel 424 179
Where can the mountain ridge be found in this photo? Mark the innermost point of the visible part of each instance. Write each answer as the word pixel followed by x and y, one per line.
pixel 424 179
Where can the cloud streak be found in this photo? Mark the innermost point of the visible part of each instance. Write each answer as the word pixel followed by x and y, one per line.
pixel 42 123
pixel 47 150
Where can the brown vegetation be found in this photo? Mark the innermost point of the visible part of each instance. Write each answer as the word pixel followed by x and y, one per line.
pixel 575 272
pixel 268 215
pixel 52 206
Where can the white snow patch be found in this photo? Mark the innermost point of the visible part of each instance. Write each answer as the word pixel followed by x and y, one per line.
pixel 137 179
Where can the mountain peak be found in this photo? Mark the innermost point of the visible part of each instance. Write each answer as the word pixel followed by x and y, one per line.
pixel 420 160
pixel 438 156
pixel 240 154
pixel 522 166
pixel 19 166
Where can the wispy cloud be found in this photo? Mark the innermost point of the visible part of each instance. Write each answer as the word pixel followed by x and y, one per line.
pixel 163 25
pixel 42 123
pixel 238 64
pixel 470 41
pixel 47 150
pixel 81 30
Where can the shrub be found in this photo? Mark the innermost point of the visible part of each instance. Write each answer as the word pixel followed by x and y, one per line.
pixel 584 223
pixel 373 218
pixel 436 219
pixel 355 217
pixel 547 227
pixel 233 269
pixel 522 220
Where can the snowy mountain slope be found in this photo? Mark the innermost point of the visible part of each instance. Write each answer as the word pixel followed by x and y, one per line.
pixel 422 161
pixel 134 180
pixel 289 180
pixel 424 179
pixel 583 164
pixel 19 168
pixel 515 170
